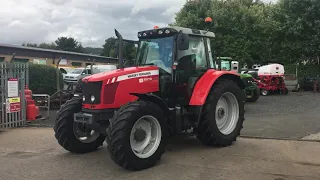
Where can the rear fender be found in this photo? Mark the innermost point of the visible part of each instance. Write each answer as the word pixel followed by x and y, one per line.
pixel 204 84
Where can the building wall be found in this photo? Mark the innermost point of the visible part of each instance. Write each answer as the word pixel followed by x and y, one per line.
pixel 50 61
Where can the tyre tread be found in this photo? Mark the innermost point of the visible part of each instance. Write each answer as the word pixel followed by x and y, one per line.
pixel 205 133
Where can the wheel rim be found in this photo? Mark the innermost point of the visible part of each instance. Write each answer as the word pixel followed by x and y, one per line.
pixel 264 92
pixel 84 134
pixel 145 136
pixel 227 113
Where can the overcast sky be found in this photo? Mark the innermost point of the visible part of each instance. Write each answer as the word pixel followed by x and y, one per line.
pixel 90 22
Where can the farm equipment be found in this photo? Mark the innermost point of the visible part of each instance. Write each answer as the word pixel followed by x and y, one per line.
pixel 252 91
pixel 271 79
pixel 171 90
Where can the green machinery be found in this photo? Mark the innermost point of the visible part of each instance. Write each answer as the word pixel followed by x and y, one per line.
pixel 252 91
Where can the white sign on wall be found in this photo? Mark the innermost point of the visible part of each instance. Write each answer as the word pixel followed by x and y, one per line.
pixel 39 61
pixel 13 90
pixel 63 62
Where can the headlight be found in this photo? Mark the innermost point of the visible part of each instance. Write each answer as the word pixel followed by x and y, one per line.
pixel 92 98
pixel 83 98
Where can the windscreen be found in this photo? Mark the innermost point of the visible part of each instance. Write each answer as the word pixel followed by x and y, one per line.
pixel 156 52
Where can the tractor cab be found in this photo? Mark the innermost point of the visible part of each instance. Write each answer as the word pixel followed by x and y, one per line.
pixel 182 56
pixel 227 64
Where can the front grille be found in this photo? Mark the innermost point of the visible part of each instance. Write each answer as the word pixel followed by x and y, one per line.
pixel 92 88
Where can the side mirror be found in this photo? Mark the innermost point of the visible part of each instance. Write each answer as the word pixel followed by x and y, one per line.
pixel 183 41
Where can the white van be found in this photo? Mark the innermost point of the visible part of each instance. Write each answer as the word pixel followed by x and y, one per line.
pixel 101 68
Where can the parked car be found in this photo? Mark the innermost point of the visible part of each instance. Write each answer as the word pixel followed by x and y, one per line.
pixel 75 74
pixel 309 82
pixel 65 70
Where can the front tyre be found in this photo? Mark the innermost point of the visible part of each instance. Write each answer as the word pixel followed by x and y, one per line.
pixel 75 137
pixel 256 95
pixel 223 115
pixel 137 135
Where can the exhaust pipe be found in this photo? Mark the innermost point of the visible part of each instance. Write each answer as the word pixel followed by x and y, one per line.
pixel 120 43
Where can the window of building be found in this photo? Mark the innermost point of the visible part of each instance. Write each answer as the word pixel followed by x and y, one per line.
pixel 2 59
pixel 76 64
pixel 20 60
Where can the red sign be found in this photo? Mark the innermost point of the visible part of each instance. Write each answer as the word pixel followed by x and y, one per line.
pixel 15 107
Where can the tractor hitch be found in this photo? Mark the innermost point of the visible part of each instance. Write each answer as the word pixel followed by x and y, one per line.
pixel 93 121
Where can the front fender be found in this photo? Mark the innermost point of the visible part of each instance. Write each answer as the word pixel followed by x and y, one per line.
pixel 204 84
pixel 155 99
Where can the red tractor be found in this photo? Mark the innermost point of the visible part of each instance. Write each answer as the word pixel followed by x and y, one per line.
pixel 172 89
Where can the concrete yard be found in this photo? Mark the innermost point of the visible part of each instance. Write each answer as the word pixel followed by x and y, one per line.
pixel 33 154
pixel 293 116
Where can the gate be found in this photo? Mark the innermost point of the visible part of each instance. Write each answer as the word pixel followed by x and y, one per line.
pixel 14 78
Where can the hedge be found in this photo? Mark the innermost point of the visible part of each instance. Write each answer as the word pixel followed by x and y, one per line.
pixel 43 79
pixel 308 70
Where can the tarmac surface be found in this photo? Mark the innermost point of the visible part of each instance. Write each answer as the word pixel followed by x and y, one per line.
pixel 34 154
pixel 293 116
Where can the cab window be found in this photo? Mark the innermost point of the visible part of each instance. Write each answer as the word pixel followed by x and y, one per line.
pixel 212 65
pixel 196 48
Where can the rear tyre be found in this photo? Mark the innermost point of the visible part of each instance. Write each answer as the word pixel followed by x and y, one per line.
pixel 284 91
pixel 255 97
pixel 75 137
pixel 223 115
pixel 137 135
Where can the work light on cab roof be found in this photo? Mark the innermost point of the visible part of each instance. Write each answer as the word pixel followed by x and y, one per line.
pixel 208 20
pixel 156 32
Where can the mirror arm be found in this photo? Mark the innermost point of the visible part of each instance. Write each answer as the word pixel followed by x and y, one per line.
pixel 120 48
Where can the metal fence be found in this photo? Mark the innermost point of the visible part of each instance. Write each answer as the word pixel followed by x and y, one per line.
pixel 13 79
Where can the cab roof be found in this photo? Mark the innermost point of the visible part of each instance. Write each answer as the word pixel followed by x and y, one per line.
pixel 173 30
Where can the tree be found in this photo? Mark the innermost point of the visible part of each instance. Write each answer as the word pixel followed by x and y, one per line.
pixel 68 44
pixel 243 28
pixel 110 50
pixel 47 46
pixel 109 45
pixel 29 45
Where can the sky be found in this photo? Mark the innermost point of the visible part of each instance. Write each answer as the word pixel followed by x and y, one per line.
pixel 89 22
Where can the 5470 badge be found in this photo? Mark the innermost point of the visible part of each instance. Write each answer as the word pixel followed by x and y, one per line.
pixel 141 80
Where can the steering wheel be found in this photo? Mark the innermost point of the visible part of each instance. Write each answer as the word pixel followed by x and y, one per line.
pixel 160 64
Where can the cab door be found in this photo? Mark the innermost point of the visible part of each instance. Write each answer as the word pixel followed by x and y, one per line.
pixel 192 63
